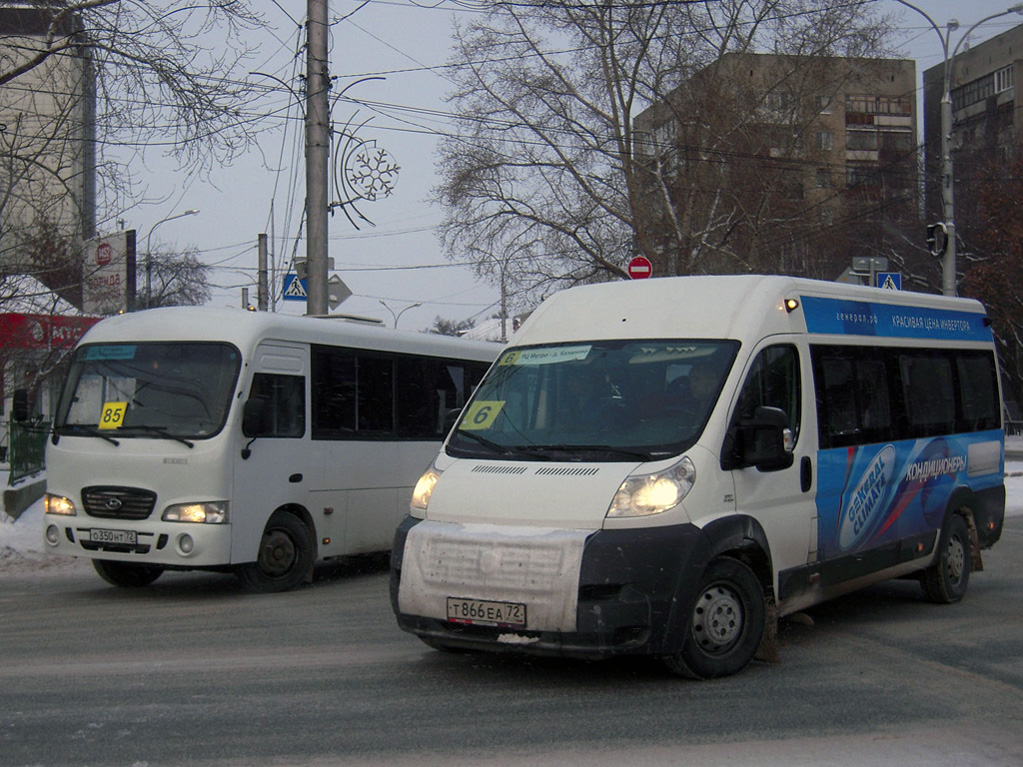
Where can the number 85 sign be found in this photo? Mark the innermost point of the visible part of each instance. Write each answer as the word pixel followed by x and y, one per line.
pixel 481 415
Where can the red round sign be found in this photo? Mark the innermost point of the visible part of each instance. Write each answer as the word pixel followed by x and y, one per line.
pixel 104 253
pixel 640 268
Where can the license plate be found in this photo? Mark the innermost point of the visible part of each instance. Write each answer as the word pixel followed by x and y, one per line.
pixel 113 536
pixel 484 613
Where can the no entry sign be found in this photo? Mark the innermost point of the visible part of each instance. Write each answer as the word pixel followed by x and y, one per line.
pixel 639 268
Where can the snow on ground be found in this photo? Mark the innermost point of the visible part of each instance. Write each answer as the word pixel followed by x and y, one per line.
pixel 22 546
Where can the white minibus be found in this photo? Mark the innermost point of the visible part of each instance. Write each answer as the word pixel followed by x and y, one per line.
pixel 219 439
pixel 666 466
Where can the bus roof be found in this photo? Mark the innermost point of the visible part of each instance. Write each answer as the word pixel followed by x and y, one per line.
pixel 742 306
pixel 246 329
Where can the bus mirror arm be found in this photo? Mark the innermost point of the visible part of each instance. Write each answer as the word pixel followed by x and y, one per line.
pixel 254 414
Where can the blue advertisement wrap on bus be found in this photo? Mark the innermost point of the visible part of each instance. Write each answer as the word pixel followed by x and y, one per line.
pixel 846 317
pixel 871 495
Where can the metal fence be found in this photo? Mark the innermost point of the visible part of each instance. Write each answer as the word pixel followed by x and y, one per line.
pixel 27 448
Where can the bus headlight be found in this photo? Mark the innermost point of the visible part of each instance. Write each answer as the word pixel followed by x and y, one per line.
pixel 643 494
pixel 212 512
pixel 424 489
pixel 58 504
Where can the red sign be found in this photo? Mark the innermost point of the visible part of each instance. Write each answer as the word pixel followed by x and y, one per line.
pixel 104 253
pixel 42 331
pixel 640 268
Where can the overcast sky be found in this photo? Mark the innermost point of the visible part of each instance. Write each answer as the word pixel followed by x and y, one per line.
pixel 397 260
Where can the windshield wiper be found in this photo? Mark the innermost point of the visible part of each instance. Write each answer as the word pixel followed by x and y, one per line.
pixel 567 448
pixel 502 449
pixel 159 431
pixel 89 431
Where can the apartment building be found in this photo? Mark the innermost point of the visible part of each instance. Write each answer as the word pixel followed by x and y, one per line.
pixel 47 139
pixel 986 125
pixel 791 164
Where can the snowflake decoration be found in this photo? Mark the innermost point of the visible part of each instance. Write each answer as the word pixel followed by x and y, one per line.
pixel 371 171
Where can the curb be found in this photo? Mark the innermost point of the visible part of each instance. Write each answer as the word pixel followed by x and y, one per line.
pixel 19 498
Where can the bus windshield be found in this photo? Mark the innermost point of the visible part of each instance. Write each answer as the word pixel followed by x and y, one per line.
pixel 154 390
pixel 595 400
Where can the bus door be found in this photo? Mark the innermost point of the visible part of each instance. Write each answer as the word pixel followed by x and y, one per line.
pixel 271 460
pixel 781 500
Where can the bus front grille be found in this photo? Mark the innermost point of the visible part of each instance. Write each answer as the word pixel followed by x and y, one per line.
pixel 118 502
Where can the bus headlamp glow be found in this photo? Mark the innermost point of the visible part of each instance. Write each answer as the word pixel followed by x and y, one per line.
pixel 212 513
pixel 424 489
pixel 58 504
pixel 643 494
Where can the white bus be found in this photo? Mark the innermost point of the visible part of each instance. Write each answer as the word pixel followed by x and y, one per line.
pixel 664 467
pixel 222 439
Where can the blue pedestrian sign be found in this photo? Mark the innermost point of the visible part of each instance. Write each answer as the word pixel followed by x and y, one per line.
pixel 294 288
pixel 889 280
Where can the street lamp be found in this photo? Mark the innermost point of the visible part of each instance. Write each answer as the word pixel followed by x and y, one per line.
pixel 948 260
pixel 149 252
pixel 397 316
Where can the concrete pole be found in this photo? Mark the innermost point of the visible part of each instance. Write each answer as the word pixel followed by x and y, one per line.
pixel 948 208
pixel 262 292
pixel 317 156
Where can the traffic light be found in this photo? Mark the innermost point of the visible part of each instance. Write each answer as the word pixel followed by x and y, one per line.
pixel 937 239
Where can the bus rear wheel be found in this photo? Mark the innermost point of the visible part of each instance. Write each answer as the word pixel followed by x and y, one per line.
pixel 285 556
pixel 945 581
pixel 726 624
pixel 126 574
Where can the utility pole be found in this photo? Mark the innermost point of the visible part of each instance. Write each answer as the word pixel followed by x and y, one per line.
pixel 261 281
pixel 317 156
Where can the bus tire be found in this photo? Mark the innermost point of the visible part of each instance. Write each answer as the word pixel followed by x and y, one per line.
pixel 285 556
pixel 726 624
pixel 129 575
pixel 945 581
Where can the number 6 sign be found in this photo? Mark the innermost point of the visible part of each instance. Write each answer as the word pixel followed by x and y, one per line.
pixel 481 415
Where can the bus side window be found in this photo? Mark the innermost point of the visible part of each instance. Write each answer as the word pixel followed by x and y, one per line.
pixel 773 381
pixel 978 391
pixel 285 403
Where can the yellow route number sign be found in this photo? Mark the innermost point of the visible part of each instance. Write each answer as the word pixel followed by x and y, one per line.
pixel 113 415
pixel 481 415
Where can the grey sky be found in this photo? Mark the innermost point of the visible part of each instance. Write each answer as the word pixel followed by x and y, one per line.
pixel 398 261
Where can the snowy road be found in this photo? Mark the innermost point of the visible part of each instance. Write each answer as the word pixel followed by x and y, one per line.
pixel 194 671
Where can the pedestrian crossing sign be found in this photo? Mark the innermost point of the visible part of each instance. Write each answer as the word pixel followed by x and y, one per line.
pixel 294 288
pixel 889 280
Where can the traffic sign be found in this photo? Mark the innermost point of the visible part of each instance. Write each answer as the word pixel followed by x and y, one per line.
pixel 640 268
pixel 294 288
pixel 889 280
pixel 337 291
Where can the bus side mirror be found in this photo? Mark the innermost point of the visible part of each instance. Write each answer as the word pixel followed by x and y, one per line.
pixel 254 414
pixel 19 406
pixel 764 442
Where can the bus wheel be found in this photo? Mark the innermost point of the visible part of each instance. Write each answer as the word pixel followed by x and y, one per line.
pixel 285 556
pixel 945 581
pixel 726 625
pixel 126 574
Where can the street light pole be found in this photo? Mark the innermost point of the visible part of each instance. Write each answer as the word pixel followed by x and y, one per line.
pixel 149 252
pixel 397 316
pixel 948 260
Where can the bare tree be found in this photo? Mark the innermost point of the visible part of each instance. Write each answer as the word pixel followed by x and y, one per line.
pixel 179 279
pixel 87 87
pixel 543 184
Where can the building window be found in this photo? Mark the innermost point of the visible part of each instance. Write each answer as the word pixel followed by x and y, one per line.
pixel 825 140
pixel 823 178
pixel 1004 79
pixel 861 140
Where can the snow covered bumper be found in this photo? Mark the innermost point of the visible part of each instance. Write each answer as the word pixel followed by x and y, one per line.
pixel 544 591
